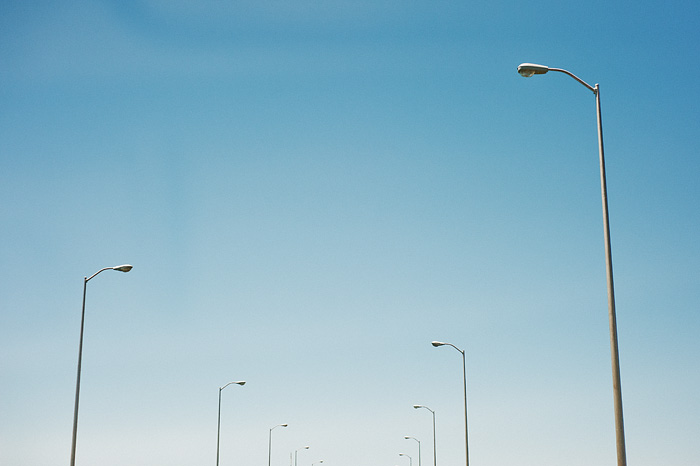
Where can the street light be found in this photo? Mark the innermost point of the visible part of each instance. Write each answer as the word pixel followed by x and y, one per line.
pixel 419 455
pixel 464 372
pixel 269 443
pixel 434 450
pixel 530 69
pixel 410 460
pixel 295 454
pixel 119 268
pixel 218 426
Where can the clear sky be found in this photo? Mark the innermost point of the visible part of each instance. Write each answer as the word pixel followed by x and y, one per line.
pixel 310 192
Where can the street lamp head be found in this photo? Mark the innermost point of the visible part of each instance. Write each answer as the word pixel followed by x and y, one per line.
pixel 123 268
pixel 529 69
pixel 284 425
pixel 438 343
pixel 242 382
pixel 306 447
pixel 417 406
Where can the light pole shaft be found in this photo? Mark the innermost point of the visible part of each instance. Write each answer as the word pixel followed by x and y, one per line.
pixel 434 442
pixel 77 382
pixel 464 373
pixel 614 352
pixel 269 449
pixel 218 429
pixel 121 268
pixel 269 446
pixel 417 441
pixel 466 432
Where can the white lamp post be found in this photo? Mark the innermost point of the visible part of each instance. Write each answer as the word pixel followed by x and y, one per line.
pixel 295 454
pixel 419 455
pixel 530 69
pixel 218 426
pixel 464 372
pixel 269 443
pixel 119 268
pixel 434 449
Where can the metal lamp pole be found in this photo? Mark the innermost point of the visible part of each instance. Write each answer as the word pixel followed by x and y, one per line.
pixel 295 454
pixel 419 455
pixel 530 69
pixel 410 460
pixel 464 372
pixel 120 268
pixel 269 443
pixel 218 426
pixel 434 443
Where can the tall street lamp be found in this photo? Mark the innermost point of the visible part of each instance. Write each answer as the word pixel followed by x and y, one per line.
pixel 434 450
pixel 295 454
pixel 530 69
pixel 269 443
pixel 464 372
pixel 120 268
pixel 410 460
pixel 419 455
pixel 218 426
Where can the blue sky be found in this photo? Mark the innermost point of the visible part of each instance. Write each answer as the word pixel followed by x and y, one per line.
pixel 310 193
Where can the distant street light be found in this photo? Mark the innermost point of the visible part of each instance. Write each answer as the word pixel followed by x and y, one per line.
pixel 434 450
pixel 119 268
pixel 419 455
pixel 218 426
pixel 410 460
pixel 530 69
pixel 317 462
pixel 269 444
pixel 464 372
pixel 295 454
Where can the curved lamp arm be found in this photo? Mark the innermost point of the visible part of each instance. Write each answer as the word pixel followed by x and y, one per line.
pixel 530 69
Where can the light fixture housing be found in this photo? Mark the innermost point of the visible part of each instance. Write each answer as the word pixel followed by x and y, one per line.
pixel 530 69
pixel 123 268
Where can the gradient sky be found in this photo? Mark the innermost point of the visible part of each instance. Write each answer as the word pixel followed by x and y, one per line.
pixel 310 193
